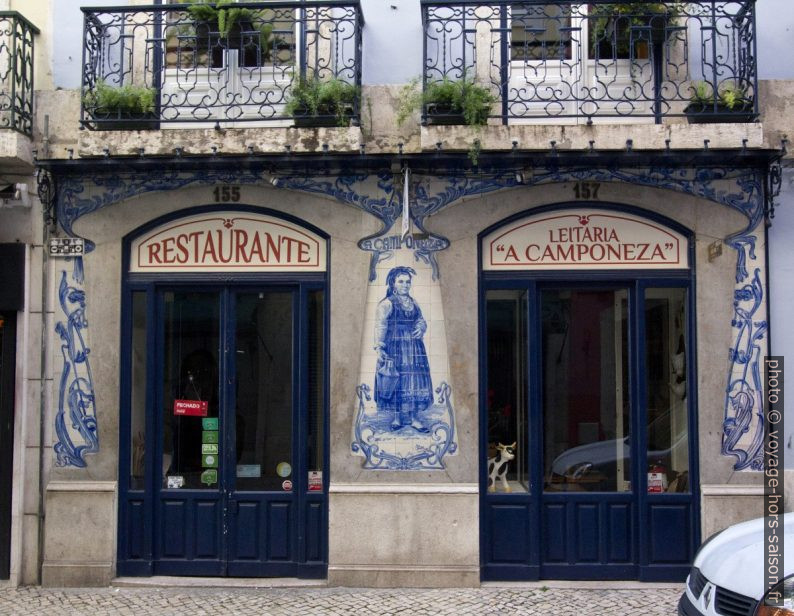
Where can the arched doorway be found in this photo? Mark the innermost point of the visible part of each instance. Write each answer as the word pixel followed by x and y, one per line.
pixel 587 356
pixel 223 397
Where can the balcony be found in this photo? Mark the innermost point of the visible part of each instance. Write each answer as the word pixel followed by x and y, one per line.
pixel 568 63
pixel 202 66
pixel 16 92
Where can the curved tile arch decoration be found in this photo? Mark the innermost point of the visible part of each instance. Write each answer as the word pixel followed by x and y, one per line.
pixel 742 190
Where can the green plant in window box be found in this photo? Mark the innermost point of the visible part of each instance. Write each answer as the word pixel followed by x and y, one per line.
pixel 732 103
pixel 121 107
pixel 611 26
pixel 448 102
pixel 322 102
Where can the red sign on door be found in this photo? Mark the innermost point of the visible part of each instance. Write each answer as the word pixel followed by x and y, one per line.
pixel 195 408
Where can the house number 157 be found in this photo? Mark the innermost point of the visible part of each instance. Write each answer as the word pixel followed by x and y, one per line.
pixel 224 194
pixel 586 190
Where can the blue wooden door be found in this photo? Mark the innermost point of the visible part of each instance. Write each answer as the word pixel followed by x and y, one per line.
pixel 237 469
pixel 586 408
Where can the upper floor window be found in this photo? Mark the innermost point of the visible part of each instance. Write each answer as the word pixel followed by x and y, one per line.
pixel 218 36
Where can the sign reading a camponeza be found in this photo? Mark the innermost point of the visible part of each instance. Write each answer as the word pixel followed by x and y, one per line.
pixel 584 238
pixel 231 242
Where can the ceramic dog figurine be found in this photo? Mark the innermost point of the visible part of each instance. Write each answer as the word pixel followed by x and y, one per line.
pixel 497 467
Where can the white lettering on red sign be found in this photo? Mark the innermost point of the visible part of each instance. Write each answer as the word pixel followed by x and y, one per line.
pixel 589 239
pixel 194 408
pixel 229 242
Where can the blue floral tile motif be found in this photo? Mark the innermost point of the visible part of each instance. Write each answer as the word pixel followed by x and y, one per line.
pixel 402 422
pixel 743 424
pixel 75 420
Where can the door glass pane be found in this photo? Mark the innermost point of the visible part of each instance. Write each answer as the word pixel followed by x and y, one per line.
pixel 263 390
pixel 138 390
pixel 190 389
pixel 585 390
pixel 316 393
pixel 665 374
pixel 506 403
pixel 540 32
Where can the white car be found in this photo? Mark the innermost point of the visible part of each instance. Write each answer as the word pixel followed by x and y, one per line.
pixel 727 577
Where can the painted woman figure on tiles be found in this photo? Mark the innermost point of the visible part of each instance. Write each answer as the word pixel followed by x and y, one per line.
pixel 403 389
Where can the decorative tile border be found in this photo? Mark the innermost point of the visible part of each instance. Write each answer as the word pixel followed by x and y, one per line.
pixel 742 190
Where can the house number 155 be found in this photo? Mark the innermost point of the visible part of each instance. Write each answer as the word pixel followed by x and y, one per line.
pixel 224 194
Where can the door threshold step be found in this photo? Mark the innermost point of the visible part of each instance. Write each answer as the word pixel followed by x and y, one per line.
pixel 173 581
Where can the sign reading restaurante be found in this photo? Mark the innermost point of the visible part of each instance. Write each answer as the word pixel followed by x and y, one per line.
pixel 584 239
pixel 230 242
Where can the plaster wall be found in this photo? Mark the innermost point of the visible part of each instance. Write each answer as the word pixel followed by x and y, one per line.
pixel 781 265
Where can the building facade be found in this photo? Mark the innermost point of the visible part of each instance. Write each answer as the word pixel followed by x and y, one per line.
pixel 418 293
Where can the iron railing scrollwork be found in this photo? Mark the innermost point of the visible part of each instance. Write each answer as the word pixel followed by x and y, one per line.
pixel 16 72
pixel 586 60
pixel 156 66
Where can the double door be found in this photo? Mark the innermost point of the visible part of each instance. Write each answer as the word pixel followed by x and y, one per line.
pixel 226 432
pixel 588 386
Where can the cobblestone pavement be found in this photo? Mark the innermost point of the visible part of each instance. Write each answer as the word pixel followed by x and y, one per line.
pixel 509 601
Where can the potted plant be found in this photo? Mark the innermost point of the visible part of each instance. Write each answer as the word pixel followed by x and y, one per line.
pixel 730 104
pixel 611 27
pixel 322 102
pixel 457 102
pixel 123 107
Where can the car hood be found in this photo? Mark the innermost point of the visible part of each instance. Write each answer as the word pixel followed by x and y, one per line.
pixel 735 558
pixel 597 454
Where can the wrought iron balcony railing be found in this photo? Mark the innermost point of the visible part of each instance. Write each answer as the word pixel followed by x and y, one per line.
pixel 582 61
pixel 172 64
pixel 16 72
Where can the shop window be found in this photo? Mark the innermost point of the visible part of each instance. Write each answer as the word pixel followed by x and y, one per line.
pixel 263 390
pixel 584 355
pixel 190 375
pixel 506 331
pixel 666 379
pixel 137 431
pixel 316 390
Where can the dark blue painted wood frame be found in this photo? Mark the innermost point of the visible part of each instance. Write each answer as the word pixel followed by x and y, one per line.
pixel 512 525
pixel 138 522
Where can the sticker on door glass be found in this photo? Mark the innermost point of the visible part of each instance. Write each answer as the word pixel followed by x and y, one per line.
pixel 284 469
pixel 286 485
pixel 209 448
pixel 191 408
pixel 209 460
pixel 249 470
pixel 315 481
pixel 175 481
pixel 209 436
pixel 209 423
pixel 209 476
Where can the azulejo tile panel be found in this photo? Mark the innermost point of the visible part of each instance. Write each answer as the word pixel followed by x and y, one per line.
pixel 404 418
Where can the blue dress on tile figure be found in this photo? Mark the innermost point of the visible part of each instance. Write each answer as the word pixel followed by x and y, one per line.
pixel 403 388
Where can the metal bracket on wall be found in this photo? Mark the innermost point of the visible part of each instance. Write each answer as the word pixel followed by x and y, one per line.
pixel 46 189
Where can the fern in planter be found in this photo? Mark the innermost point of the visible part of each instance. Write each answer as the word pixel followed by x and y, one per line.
pixel 731 103
pixel 449 102
pixel 129 103
pixel 322 102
